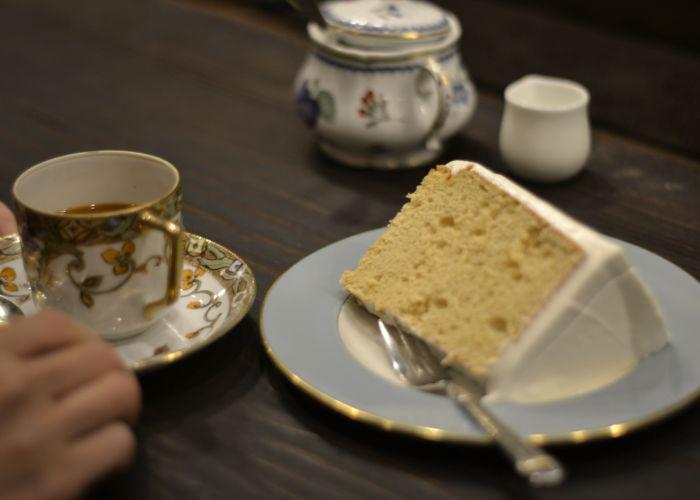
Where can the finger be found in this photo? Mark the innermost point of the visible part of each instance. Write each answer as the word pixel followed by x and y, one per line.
pixel 8 224
pixel 13 384
pixel 24 444
pixel 64 370
pixel 108 449
pixel 114 396
pixel 44 332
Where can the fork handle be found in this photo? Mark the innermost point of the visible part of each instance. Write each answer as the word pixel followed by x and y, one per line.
pixel 540 468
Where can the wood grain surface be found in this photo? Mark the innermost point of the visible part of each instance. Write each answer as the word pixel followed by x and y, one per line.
pixel 207 85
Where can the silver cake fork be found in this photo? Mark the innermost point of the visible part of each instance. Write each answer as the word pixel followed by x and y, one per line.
pixel 416 363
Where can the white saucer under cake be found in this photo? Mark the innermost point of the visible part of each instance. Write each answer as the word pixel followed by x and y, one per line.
pixel 343 370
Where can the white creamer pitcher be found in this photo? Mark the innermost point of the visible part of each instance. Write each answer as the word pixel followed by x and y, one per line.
pixel 383 84
pixel 545 132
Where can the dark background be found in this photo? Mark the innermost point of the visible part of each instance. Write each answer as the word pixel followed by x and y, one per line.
pixel 673 22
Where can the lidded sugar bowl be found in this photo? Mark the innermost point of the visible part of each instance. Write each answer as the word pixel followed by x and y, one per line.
pixel 383 85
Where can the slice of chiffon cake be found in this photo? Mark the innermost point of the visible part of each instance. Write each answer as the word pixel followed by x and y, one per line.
pixel 532 303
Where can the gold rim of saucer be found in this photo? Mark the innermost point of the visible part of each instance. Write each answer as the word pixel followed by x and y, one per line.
pixel 100 215
pixel 580 436
pixel 230 322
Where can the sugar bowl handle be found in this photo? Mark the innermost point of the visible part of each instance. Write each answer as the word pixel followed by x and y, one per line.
pixel 435 72
pixel 176 249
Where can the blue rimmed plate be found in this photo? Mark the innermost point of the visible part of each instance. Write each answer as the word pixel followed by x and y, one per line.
pixel 299 325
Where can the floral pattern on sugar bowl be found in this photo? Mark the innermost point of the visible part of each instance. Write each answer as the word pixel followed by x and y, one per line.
pixel 373 109
pixel 314 103
pixel 386 106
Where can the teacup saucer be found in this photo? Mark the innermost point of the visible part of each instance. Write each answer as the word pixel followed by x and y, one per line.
pixel 218 289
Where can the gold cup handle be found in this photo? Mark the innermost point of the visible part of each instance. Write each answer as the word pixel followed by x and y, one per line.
pixel 444 99
pixel 176 249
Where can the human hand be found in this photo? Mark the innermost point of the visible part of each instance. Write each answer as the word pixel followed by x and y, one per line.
pixel 8 225
pixel 66 403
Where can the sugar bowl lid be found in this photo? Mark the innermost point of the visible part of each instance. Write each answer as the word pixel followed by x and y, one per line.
pixel 385 23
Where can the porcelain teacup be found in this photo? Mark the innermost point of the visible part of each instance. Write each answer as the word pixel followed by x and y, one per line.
pixel 116 267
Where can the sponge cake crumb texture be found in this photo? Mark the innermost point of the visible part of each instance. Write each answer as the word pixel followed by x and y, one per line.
pixel 465 266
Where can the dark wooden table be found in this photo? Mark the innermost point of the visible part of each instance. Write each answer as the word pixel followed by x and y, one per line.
pixel 207 86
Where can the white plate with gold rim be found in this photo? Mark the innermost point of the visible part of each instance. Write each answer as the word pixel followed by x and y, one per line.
pixel 218 289
pixel 348 371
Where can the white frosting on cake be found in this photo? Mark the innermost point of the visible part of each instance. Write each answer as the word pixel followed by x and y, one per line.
pixel 593 330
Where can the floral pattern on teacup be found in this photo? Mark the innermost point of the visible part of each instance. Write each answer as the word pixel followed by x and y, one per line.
pixel 7 279
pixel 13 281
pixel 48 236
pixel 123 265
pixel 120 259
